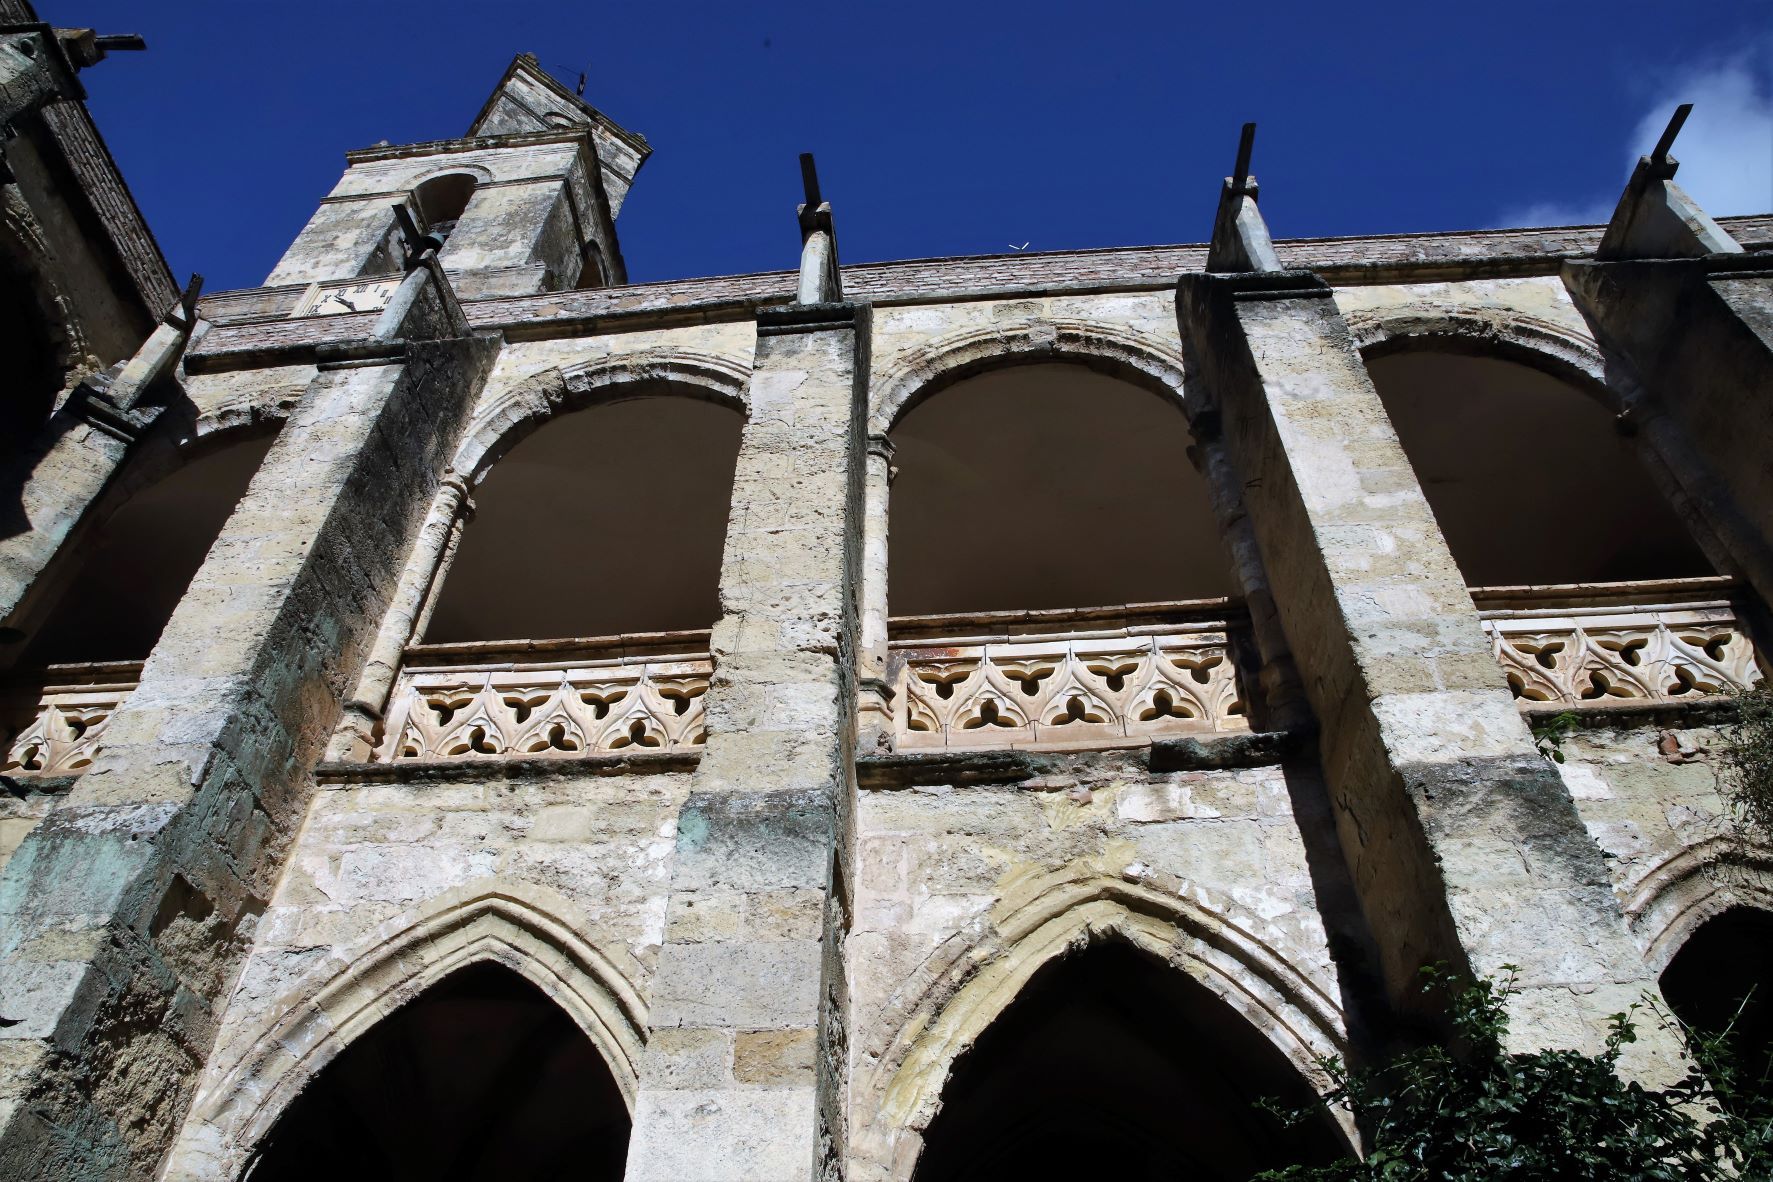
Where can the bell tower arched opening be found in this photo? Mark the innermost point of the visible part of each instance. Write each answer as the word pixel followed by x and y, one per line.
pixel 480 1077
pixel 1111 1064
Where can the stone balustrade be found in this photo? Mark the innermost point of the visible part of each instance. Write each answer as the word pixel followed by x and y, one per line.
pixel 1611 643
pixel 57 726
pixel 548 699
pixel 1066 679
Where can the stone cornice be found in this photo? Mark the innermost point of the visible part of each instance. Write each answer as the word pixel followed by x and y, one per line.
pixel 1373 259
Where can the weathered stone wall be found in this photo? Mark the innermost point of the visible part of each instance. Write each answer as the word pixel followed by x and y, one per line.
pixel 1649 794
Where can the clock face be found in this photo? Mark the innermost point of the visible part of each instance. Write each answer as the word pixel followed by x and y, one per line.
pixel 356 297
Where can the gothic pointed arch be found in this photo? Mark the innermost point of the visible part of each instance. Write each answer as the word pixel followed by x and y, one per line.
pixel 517 929
pixel 972 981
pixel 1720 983
pixel 1684 891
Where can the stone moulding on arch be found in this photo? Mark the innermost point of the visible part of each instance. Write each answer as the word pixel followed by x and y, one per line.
pixel 1131 356
pixel 511 925
pixel 1695 884
pixel 529 403
pixel 1494 332
pixel 970 979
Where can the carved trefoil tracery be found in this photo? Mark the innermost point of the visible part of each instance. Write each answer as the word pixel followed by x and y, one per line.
pixel 1590 646
pixel 1059 691
pixel 59 734
pixel 568 709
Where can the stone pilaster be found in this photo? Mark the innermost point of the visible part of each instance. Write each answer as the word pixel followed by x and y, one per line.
pixel 742 1077
pixel 1697 336
pixel 1464 845
pixel 124 915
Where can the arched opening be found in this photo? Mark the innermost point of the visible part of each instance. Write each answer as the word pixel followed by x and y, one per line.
pixel 1048 486
pixel 1528 478
pixel 1112 1065
pixel 480 1077
pixel 1722 979
pixel 605 521
pixel 442 200
pixel 137 566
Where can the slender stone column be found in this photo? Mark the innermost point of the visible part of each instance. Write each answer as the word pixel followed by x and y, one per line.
pixel 1463 843
pixel 414 598
pixel 874 723
pixel 743 1073
pixel 125 914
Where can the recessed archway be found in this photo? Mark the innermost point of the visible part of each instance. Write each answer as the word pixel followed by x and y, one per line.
pixel 604 521
pixel 134 570
pixel 481 1076
pixel 1048 486
pixel 1527 477
pixel 1722 979
pixel 1112 1064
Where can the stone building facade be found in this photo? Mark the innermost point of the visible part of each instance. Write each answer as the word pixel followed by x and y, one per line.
pixel 471 716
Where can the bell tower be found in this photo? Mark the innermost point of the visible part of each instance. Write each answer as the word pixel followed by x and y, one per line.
pixel 525 202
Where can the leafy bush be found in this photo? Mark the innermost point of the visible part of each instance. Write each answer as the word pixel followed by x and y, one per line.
pixel 1745 759
pixel 1481 1113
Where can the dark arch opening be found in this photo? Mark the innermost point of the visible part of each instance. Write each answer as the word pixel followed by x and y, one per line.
pixel 1722 979
pixel 1526 475
pixel 480 1077
pixel 1048 486
pixel 136 567
pixel 604 521
pixel 1113 1065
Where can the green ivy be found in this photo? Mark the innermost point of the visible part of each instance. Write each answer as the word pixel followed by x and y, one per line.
pixel 1482 1113
pixel 1745 759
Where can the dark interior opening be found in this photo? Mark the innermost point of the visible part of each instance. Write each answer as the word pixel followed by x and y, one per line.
pixel 137 566
pixel 604 521
pixel 1722 978
pixel 33 373
pixel 1112 1065
pixel 1505 453
pixel 481 1077
pixel 1048 486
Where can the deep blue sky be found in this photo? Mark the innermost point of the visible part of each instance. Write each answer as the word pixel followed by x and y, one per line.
pixel 940 128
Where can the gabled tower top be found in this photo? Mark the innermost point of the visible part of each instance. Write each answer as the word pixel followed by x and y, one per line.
pixel 528 99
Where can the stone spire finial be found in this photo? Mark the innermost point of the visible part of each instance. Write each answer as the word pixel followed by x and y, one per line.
pixel 1240 236
pixel 1655 219
pixel 820 280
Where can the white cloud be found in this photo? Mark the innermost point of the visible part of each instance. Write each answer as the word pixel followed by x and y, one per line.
pixel 1725 149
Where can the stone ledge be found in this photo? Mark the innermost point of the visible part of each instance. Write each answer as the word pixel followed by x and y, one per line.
pixel 537 768
pixel 1015 765
pixel 33 785
pixel 1631 715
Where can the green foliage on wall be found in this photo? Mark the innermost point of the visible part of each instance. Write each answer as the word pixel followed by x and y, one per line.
pixel 1481 1114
